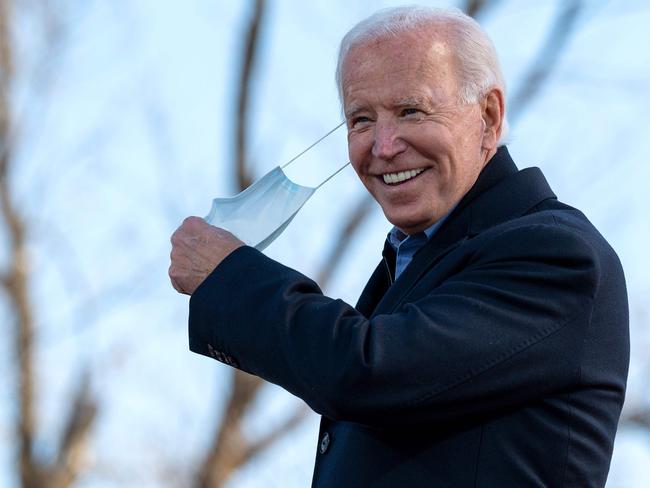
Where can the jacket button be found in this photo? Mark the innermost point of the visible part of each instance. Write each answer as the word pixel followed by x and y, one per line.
pixel 324 443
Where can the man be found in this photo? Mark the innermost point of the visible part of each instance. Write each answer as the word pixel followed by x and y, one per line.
pixel 490 346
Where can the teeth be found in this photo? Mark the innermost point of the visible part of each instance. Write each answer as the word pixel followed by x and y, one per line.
pixel 392 178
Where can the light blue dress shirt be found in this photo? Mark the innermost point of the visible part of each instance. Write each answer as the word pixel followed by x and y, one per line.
pixel 406 246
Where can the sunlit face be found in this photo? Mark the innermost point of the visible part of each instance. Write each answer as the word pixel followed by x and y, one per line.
pixel 413 145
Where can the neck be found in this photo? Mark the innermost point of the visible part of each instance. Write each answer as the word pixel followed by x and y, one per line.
pixel 488 154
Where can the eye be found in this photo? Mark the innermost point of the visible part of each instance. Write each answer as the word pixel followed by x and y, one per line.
pixel 410 111
pixel 359 121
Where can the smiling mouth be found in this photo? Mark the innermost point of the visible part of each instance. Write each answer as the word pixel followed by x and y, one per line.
pixel 401 176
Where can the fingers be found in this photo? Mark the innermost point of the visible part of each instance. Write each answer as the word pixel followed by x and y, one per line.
pixel 175 284
pixel 190 226
pixel 224 234
pixel 194 224
pixel 194 228
pixel 197 249
pixel 177 257
pixel 173 275
pixel 185 272
pixel 182 281
pixel 194 220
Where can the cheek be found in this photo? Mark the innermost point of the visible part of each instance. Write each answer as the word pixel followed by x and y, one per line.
pixel 357 151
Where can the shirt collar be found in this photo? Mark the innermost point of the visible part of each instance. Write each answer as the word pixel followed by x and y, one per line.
pixel 396 237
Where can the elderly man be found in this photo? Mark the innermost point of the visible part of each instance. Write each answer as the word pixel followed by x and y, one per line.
pixel 490 346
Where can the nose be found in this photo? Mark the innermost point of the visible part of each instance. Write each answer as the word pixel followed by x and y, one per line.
pixel 387 143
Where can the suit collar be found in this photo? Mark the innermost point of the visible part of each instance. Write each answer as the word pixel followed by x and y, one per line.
pixel 501 193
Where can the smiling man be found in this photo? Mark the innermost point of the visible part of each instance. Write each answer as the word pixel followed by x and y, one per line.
pixel 414 145
pixel 490 346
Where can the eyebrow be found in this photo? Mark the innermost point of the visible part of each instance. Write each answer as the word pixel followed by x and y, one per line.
pixel 412 101
pixel 352 111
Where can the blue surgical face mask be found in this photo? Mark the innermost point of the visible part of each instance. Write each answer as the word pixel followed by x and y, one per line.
pixel 260 213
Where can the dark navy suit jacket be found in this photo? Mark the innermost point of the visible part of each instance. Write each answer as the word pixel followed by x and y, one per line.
pixel 497 359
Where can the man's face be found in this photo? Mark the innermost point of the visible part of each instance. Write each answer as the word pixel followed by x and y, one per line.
pixel 414 146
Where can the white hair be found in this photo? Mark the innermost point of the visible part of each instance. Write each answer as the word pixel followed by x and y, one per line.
pixel 478 65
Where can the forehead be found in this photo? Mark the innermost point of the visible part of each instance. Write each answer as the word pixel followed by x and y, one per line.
pixel 412 65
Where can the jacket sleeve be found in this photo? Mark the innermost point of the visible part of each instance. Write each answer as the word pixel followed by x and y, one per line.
pixel 506 328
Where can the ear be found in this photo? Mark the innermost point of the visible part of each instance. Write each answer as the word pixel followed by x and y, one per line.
pixel 493 112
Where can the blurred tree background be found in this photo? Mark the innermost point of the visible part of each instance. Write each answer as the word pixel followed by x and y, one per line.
pixel 118 119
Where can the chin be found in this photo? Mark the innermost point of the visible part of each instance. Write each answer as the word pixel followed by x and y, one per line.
pixel 411 226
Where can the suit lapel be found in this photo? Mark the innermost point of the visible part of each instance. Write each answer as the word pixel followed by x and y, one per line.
pixel 374 290
pixel 499 194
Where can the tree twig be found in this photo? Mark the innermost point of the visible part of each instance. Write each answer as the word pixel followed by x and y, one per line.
pixel 343 240
pixel 71 456
pixel 294 420
pixel 226 453
pixel 228 447
pixel 546 60
pixel 15 277
pixel 475 8
pixel 251 47
pixel 33 473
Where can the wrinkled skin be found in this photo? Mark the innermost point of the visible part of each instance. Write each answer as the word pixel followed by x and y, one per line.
pixel 400 97
pixel 198 248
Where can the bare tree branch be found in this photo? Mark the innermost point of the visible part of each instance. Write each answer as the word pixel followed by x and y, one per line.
pixel 15 281
pixel 230 450
pixel 243 97
pixel 71 455
pixel 40 79
pixel 280 431
pixel 637 418
pixel 344 239
pixel 15 277
pixel 546 60
pixel 227 451
pixel 6 74
pixel 475 8
pixel 24 337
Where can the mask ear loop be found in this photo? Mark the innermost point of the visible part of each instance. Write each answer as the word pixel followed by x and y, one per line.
pixel 312 145
pixel 305 150
pixel 333 175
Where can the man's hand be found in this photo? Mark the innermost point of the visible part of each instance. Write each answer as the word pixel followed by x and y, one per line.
pixel 198 248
